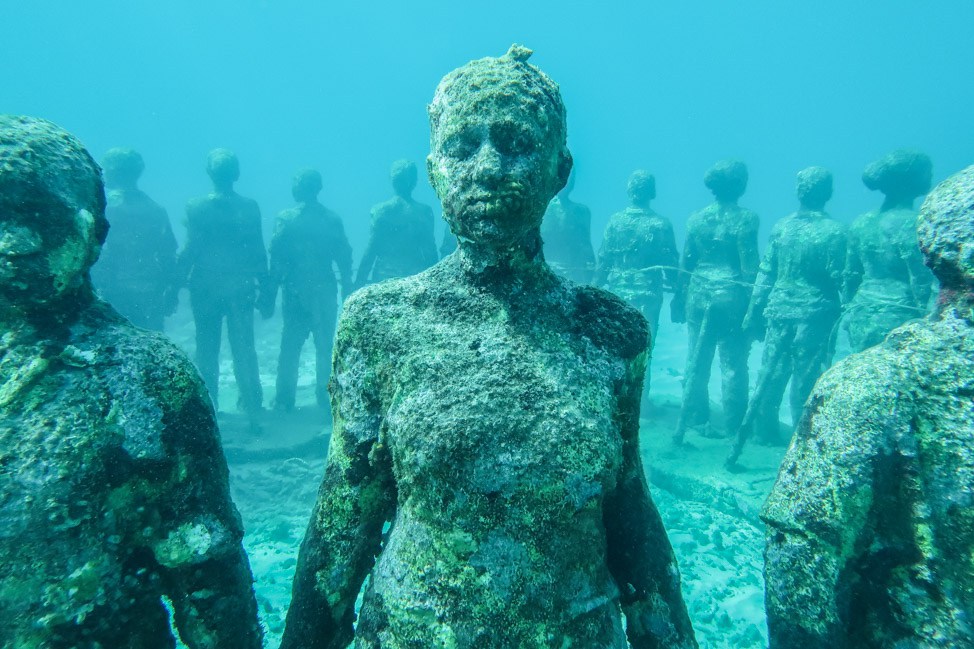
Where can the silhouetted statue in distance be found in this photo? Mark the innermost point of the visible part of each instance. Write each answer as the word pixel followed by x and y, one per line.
pixel 638 258
pixel 401 240
pixel 225 264
pixel 794 308
pixel 719 264
pixel 870 526
pixel 136 272
pixel 489 410
pixel 113 493
pixel 567 234
pixel 308 246
pixel 886 282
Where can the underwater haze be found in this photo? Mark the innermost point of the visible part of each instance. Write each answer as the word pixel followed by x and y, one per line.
pixel 669 87
pixel 666 86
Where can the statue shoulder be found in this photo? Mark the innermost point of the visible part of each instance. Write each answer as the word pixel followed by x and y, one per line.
pixel 609 322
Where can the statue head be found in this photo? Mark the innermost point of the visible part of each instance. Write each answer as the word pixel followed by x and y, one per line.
pixel 727 180
pixel 814 188
pixel 403 176
pixel 306 185
pixel 52 213
pixel 223 167
pixel 123 167
pixel 945 231
pixel 497 148
pixel 901 175
pixel 641 187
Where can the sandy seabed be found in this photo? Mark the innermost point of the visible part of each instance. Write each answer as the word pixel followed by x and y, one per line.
pixel 711 516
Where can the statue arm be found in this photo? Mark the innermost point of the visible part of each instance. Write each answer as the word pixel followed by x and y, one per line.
pixel 921 278
pixel 186 259
pixel 853 272
pixel 688 263
pixel 343 260
pixel 368 257
pixel 206 573
pixel 357 496
pixel 766 278
pixel 639 553
pixel 819 512
pixel 669 257
pixel 747 249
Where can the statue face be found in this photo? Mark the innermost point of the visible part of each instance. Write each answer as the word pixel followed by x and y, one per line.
pixel 495 168
pixel 42 259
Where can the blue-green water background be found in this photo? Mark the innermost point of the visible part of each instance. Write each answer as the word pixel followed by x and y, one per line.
pixel 668 86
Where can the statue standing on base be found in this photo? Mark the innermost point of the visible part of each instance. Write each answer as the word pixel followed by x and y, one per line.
pixel 489 410
pixel 719 264
pixel 794 308
pixel 309 244
pixel 225 264
pixel 136 272
pixel 638 259
pixel 871 522
pixel 114 494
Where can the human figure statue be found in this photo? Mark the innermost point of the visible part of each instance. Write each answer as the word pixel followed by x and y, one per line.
pixel 113 493
pixel 886 282
pixel 401 239
pixel 309 244
pixel 638 259
pixel 225 264
pixel 136 272
pixel 567 234
pixel 870 529
pixel 719 264
pixel 448 243
pixel 489 410
pixel 794 308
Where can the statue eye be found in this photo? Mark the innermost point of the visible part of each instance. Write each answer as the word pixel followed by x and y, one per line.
pixel 461 145
pixel 510 139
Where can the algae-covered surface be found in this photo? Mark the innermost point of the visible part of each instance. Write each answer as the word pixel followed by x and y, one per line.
pixel 711 515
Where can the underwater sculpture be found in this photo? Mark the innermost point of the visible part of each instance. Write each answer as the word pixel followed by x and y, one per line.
pixel 401 239
pixel 886 282
pixel 870 526
pixel 113 492
pixel 309 243
pixel 136 272
pixel 225 264
pixel 566 231
pixel 489 410
pixel 718 267
pixel 638 258
pixel 794 308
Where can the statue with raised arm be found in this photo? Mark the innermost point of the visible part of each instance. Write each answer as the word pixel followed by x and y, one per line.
pixel 401 240
pixel 136 272
pixel 794 308
pixel 638 259
pixel 870 526
pixel 308 247
pixel 115 508
pixel 718 267
pixel 567 234
pixel 488 411
pixel 886 283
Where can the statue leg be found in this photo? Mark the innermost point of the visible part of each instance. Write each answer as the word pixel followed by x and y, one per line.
pixel 240 333
pixel 696 398
pixel 208 312
pixel 324 338
pixel 297 326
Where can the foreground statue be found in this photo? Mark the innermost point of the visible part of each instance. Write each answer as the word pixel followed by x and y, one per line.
pixel 719 264
pixel 401 240
pixel 490 411
pixel 794 308
pixel 871 523
pixel 638 258
pixel 566 231
pixel 886 283
pixel 113 489
pixel 136 272
pixel 309 245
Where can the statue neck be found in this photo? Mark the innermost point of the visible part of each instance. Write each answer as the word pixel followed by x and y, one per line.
pixel 498 263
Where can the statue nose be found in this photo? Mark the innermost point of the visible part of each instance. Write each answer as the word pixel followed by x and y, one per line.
pixel 489 168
